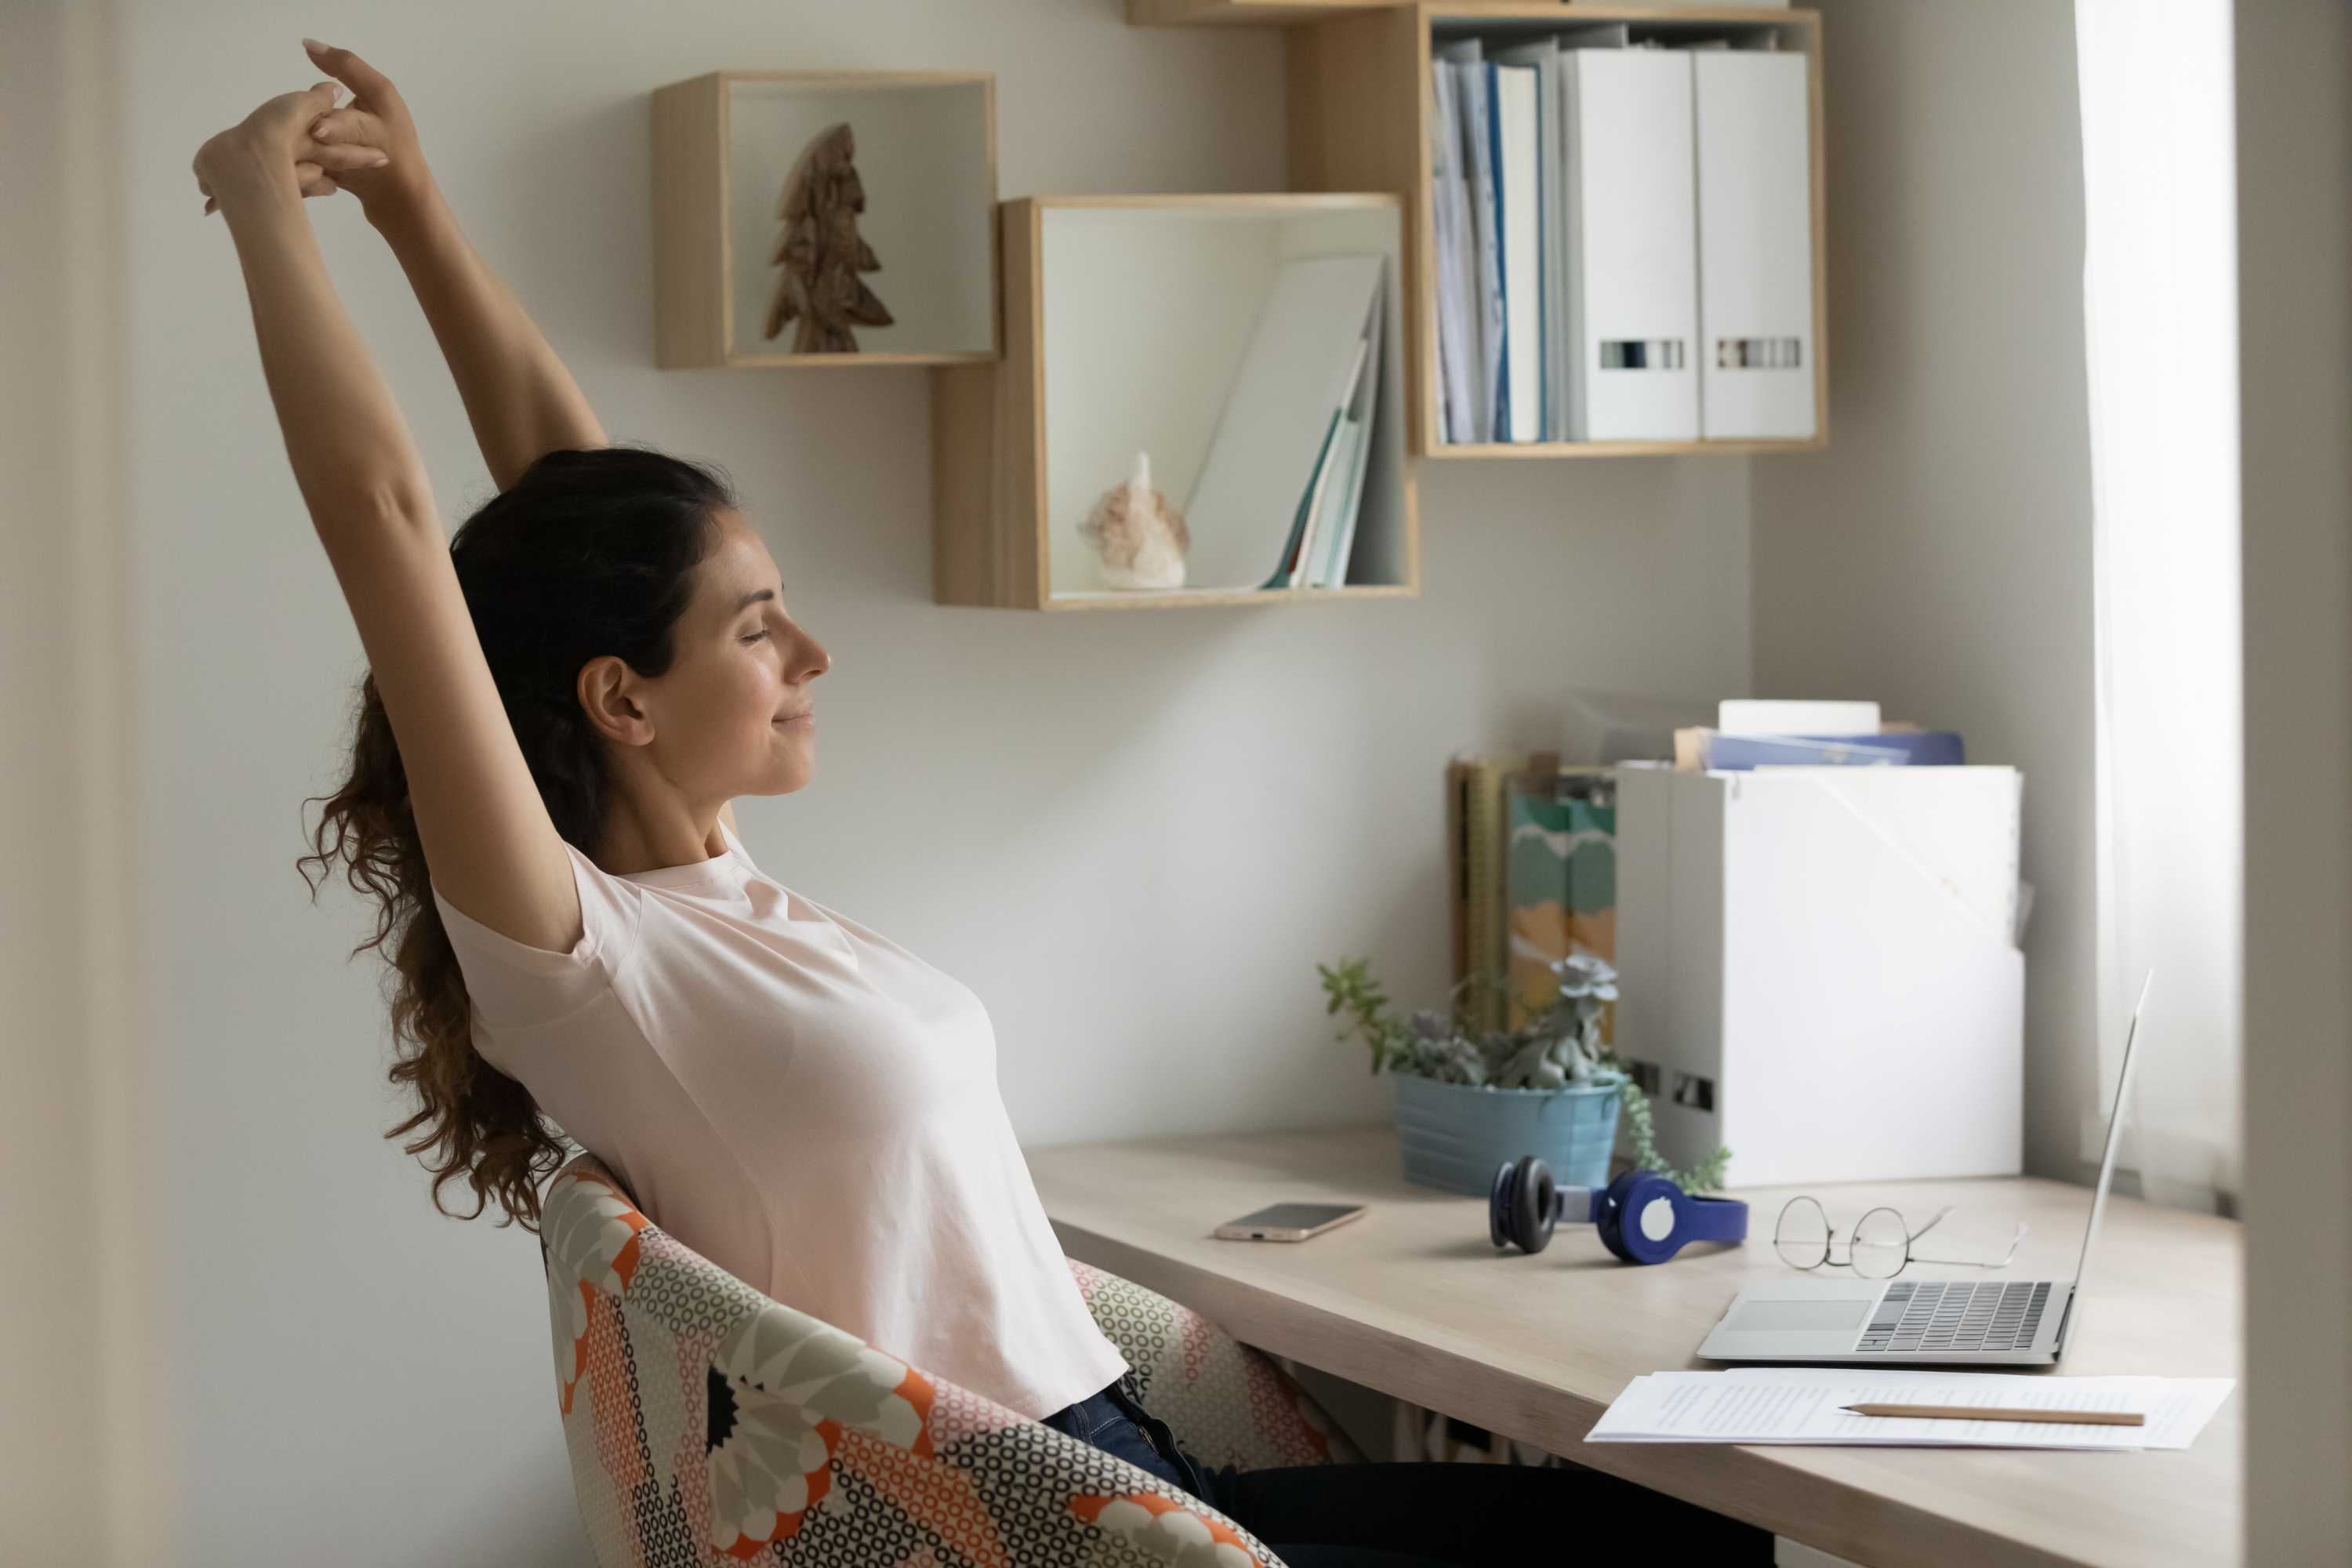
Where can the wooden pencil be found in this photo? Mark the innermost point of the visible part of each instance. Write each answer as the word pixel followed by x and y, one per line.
pixel 1990 1412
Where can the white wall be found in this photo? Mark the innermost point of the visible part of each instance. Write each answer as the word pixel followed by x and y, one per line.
pixel 82 1456
pixel 1131 834
pixel 1937 557
pixel 2295 216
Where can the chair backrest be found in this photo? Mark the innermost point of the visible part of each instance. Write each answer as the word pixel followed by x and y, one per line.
pixel 1228 1403
pixel 708 1425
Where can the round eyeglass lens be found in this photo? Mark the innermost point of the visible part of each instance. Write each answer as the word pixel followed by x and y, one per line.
pixel 1803 1237
pixel 1881 1245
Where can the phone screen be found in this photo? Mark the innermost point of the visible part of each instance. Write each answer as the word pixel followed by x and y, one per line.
pixel 1298 1216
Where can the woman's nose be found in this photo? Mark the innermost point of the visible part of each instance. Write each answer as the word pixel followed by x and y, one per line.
pixel 814 660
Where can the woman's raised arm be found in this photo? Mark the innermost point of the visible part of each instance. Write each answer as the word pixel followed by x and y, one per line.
pixel 488 841
pixel 522 401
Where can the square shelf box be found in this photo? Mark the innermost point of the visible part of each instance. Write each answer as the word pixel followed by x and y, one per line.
pixel 1359 103
pixel 1240 13
pixel 926 156
pixel 1289 13
pixel 1125 321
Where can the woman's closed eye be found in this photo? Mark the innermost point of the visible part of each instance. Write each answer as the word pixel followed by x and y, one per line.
pixel 761 635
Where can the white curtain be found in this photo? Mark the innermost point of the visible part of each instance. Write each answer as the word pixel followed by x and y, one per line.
pixel 2160 308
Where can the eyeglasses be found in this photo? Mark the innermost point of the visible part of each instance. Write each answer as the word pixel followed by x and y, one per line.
pixel 1878 1248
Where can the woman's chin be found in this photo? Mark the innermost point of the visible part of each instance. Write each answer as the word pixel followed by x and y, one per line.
pixel 781 780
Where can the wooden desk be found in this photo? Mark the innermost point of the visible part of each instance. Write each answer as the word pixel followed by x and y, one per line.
pixel 1413 1300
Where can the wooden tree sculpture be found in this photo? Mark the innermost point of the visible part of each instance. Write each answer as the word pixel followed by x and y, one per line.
pixel 820 251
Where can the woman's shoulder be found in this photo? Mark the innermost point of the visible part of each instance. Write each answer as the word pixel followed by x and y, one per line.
pixel 609 914
pixel 514 985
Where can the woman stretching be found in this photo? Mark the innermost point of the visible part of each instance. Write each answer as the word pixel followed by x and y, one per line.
pixel 562 702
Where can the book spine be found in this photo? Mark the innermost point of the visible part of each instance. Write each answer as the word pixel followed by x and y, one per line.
pixel 1458 776
pixel 1482 949
pixel 1499 314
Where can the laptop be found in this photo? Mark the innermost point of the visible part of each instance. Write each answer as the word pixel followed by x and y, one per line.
pixel 1879 1322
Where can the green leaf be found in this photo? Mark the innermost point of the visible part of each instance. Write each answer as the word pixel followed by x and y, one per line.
pixel 1707 1176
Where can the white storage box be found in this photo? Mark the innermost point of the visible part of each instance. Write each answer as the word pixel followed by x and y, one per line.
pixel 1818 965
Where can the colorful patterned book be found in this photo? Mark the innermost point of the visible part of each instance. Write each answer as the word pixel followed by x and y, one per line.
pixel 1560 876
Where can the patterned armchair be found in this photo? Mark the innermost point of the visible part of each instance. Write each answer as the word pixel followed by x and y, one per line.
pixel 708 1425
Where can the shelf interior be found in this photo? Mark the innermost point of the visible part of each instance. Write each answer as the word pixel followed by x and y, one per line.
pixel 1148 311
pixel 924 158
pixel 1181 598
pixel 1666 31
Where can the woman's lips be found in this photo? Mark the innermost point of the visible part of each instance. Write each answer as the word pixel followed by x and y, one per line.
pixel 806 718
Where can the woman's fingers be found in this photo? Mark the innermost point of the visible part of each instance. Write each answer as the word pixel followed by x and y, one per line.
pixel 336 158
pixel 364 81
pixel 348 123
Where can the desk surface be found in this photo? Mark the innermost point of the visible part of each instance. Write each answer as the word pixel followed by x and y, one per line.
pixel 1413 1300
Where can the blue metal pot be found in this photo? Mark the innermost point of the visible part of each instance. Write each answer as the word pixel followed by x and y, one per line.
pixel 1453 1136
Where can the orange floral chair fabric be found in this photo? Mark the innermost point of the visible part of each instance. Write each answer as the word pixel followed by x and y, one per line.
pixel 709 1425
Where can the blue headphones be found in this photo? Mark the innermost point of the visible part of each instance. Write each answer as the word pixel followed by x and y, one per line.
pixel 1642 1216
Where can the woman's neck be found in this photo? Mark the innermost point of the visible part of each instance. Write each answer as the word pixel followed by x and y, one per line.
pixel 634 839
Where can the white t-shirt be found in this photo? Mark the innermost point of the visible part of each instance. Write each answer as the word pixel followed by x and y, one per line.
pixel 809 1106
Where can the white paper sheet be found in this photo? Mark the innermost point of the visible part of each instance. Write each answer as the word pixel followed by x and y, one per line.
pixel 1801 1405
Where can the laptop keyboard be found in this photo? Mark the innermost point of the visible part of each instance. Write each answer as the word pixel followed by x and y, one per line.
pixel 1919 1316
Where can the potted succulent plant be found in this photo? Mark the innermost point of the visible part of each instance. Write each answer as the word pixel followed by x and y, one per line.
pixel 1470 1099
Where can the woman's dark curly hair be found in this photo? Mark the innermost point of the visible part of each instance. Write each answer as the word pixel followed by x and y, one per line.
pixel 590 553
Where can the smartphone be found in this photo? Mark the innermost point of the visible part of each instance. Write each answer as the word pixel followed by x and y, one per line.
pixel 1288 1222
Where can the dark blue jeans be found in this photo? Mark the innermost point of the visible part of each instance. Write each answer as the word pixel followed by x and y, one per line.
pixel 1423 1516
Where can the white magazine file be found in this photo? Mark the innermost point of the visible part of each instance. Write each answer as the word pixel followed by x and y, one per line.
pixel 1757 346
pixel 1632 245
pixel 1821 968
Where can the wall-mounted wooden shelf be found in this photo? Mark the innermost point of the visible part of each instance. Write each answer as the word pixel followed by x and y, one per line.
pixel 1125 321
pixel 1289 13
pixel 1236 13
pixel 926 153
pixel 1358 106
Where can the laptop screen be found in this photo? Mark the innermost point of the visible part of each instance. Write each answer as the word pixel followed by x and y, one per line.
pixel 2107 1161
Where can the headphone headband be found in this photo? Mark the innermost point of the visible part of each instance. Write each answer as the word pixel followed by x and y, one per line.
pixel 1716 1219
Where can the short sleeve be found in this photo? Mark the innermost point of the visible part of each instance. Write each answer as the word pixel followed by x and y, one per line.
pixel 514 986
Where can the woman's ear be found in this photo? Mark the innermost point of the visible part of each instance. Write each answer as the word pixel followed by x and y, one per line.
pixel 607 689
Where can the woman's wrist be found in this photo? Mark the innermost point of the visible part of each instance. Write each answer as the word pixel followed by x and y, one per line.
pixel 237 171
pixel 403 206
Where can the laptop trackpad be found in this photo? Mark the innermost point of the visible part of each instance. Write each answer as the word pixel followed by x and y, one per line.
pixel 1787 1317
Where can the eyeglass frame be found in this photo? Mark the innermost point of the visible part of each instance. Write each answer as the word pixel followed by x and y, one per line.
pixel 1830 1239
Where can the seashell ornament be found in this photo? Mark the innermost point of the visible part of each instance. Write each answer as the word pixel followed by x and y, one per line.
pixel 1139 536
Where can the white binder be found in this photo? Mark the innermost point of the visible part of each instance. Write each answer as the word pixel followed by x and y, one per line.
pixel 1518 183
pixel 1821 970
pixel 1632 246
pixel 1755 245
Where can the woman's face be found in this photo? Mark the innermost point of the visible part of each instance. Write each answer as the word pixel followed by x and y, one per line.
pixel 732 715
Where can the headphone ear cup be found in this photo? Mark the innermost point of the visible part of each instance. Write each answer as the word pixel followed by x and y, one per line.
pixel 1544 1208
pixel 1498 1206
pixel 1532 1204
pixel 1636 1219
pixel 1611 1221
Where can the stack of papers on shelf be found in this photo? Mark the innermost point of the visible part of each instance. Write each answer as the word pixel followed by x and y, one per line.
pixel 1802 1405
pixel 1768 716
pixel 1463 135
pixel 1276 502
pixel 1752 734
